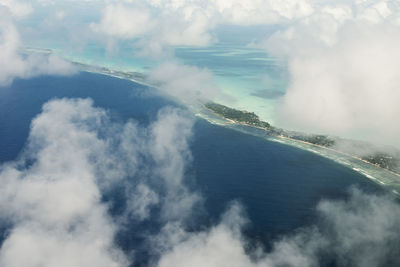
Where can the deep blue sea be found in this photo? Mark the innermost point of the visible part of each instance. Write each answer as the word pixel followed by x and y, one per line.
pixel 278 185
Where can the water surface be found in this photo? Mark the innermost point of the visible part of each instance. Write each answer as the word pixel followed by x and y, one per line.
pixel 279 185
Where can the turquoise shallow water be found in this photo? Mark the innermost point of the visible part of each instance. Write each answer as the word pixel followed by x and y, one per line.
pixel 254 80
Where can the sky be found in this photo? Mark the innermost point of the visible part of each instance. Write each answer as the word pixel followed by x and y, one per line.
pixel 342 61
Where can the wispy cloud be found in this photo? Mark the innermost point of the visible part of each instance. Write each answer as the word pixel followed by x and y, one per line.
pixel 15 64
pixel 189 84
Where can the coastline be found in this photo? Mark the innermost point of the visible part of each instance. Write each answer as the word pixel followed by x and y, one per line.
pixel 377 174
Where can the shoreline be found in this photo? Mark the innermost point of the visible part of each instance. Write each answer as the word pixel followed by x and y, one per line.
pixel 374 172
pixel 392 183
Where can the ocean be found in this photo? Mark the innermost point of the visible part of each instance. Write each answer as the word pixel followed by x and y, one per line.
pixel 279 185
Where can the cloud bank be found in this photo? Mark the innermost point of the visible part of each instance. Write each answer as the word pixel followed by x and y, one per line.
pixel 342 61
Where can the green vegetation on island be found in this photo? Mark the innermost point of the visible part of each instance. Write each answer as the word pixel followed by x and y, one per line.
pixel 380 159
pixel 321 140
pixel 130 75
pixel 251 119
pixel 240 116
pixel 384 160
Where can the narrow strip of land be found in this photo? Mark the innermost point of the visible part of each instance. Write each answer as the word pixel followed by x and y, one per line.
pixel 380 160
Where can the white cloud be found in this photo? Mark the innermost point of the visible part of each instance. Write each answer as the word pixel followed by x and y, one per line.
pixel 190 23
pixel 124 22
pixel 141 201
pixel 192 30
pixel 153 26
pixel 44 248
pixel 376 13
pixel 171 154
pixel 14 64
pixel 55 204
pixel 257 12
pixel 361 231
pixel 18 9
pixel 53 195
pixel 188 84
pixel 219 246
pixel 344 80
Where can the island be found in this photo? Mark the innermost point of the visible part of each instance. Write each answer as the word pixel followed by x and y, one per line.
pixel 380 159
pixel 240 116
pixel 251 119
pixel 384 160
